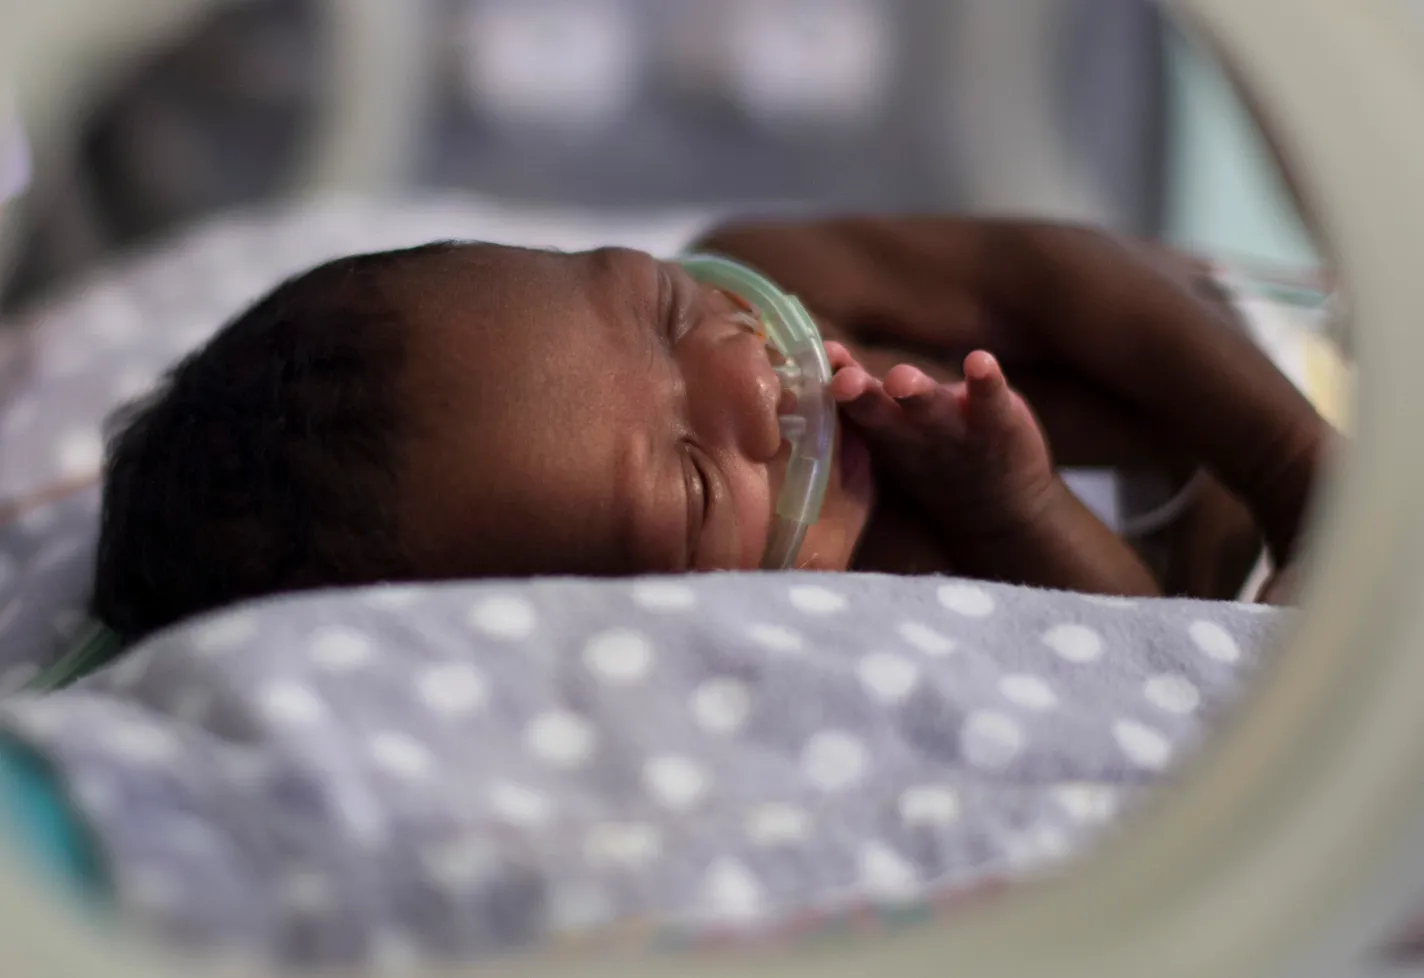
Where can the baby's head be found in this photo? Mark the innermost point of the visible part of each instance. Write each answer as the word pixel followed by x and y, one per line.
pixel 454 411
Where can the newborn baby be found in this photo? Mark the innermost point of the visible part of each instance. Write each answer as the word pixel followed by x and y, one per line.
pixel 471 410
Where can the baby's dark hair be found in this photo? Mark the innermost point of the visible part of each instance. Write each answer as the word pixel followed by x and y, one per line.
pixel 268 460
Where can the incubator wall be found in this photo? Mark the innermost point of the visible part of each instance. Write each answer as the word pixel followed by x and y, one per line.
pixel 1261 858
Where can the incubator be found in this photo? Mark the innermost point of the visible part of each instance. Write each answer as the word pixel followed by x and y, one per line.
pixel 1293 847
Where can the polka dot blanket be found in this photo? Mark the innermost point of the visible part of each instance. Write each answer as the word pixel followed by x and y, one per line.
pixel 435 773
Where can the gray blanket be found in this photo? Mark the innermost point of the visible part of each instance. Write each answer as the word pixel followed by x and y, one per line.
pixel 455 771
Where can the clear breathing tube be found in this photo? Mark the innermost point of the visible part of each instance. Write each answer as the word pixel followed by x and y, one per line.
pixel 808 420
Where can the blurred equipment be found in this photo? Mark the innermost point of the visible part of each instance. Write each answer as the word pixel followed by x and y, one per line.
pixel 626 104
pixel 572 65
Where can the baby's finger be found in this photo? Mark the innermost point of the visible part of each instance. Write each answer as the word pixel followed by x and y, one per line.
pixel 839 356
pixel 872 409
pixel 849 383
pixel 938 413
pixel 988 401
pixel 924 403
pixel 905 381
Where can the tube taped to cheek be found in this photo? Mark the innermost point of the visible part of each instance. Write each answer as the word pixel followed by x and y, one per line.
pixel 808 419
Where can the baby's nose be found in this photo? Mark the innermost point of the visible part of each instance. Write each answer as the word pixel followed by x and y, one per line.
pixel 762 440
pixel 741 397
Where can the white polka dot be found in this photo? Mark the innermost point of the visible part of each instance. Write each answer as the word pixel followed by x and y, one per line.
pixel 1087 802
pixel 504 617
pixel 110 316
pixel 678 782
pixel 1029 692
pixel 560 739
pixel 778 825
pixel 1076 643
pixel 21 416
pixel 151 889
pixel 1174 694
pixel 131 384
pixel 66 360
pixel 392 597
pixel 1039 845
pixel 337 648
pixel 1109 601
pixel 192 336
pixel 1215 641
pixel 462 864
pixel 929 804
pixel 401 755
pixel 776 638
pixel 966 600
pixel 291 704
pixel 577 908
pixel 519 805
pixel 926 639
pixel 1142 745
pixel 625 844
pixel 884 873
pixel 452 688
pixel 38 719
pixel 188 835
pixel 191 705
pixel 94 794
pixel 834 760
pixel 730 891
pixel 38 520
pixel 78 452
pixel 394 954
pixel 619 656
pixel 360 813
pixel 722 705
pixel 305 892
pixel 990 740
pixel 811 599
pixel 67 622
pixel 143 743
pixel 223 634
pixel 888 676
pixel 130 669
pixel 245 768
pixel 664 596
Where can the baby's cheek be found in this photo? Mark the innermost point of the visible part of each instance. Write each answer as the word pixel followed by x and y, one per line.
pixel 747 532
pixel 831 543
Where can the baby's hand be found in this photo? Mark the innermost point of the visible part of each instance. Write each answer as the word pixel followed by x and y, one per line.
pixel 972 451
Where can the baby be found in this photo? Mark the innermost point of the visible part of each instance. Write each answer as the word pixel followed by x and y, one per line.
pixel 471 410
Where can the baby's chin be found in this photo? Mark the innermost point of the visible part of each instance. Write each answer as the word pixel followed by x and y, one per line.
pixel 831 543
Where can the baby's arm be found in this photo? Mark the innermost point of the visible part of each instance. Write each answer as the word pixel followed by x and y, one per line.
pixel 974 459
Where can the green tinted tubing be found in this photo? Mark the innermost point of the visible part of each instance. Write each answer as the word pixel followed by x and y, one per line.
pixel 812 426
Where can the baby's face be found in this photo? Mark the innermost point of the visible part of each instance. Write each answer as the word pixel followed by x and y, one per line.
pixel 595 413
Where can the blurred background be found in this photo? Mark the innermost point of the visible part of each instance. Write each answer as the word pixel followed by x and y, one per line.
pixel 1087 109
